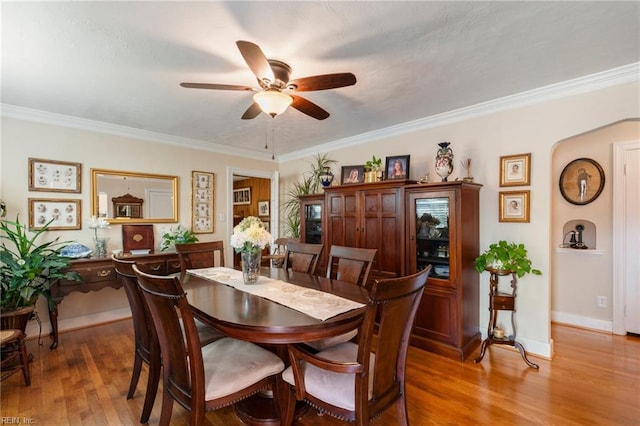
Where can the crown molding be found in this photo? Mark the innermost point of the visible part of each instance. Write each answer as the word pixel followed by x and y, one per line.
pixel 28 114
pixel 590 83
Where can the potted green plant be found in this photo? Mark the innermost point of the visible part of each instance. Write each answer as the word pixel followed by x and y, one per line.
pixel 180 235
pixel 27 268
pixel 373 170
pixel 506 257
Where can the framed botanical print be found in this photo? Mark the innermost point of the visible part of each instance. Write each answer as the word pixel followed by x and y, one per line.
pixel 515 170
pixel 54 176
pixel 202 196
pixel 58 213
pixel 263 208
pixel 514 206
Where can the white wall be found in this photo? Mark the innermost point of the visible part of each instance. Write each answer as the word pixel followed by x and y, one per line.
pixel 579 276
pixel 21 140
pixel 535 129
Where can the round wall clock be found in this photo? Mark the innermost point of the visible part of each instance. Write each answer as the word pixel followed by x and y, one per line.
pixel 581 181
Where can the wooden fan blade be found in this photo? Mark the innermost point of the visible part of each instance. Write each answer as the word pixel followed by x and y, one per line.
pixel 256 60
pixel 324 82
pixel 216 86
pixel 252 112
pixel 307 107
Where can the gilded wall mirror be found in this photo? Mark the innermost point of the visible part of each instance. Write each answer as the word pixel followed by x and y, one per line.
pixel 581 181
pixel 129 197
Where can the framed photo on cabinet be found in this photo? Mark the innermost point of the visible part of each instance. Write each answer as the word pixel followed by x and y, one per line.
pixel 62 214
pixel 397 167
pixel 54 176
pixel 352 174
pixel 514 206
pixel 515 170
pixel 202 196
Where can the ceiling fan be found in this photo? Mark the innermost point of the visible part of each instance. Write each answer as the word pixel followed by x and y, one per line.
pixel 275 94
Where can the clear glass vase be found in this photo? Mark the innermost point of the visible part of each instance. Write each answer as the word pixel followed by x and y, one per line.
pixel 101 247
pixel 251 266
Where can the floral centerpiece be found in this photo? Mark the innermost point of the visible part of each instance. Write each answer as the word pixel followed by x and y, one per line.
pixel 96 223
pixel 249 238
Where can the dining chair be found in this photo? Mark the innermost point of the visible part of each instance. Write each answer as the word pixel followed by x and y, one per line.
pixel 14 356
pixel 302 257
pixel 357 382
pixel 276 258
pixel 200 378
pixel 147 347
pixel 350 264
pixel 199 255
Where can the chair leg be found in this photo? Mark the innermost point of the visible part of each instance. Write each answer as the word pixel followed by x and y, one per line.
pixel 401 411
pixel 135 376
pixel 152 390
pixel 167 408
pixel 24 360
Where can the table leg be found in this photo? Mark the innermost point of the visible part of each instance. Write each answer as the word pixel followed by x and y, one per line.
pixel 53 319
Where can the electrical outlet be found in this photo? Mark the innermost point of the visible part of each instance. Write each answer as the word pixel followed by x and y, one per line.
pixel 602 301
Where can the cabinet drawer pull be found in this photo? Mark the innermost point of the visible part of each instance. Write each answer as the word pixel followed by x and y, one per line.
pixel 104 273
pixel 155 268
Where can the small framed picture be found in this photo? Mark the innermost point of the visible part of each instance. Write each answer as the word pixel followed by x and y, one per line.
pixel 514 206
pixel 581 181
pixel 352 174
pixel 265 223
pixel 263 208
pixel 242 196
pixel 397 167
pixel 202 196
pixel 515 170
pixel 54 176
pixel 60 214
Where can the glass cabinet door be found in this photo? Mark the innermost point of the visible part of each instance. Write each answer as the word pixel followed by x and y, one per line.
pixel 313 223
pixel 432 235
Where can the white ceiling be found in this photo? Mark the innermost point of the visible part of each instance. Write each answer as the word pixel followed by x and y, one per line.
pixel 121 62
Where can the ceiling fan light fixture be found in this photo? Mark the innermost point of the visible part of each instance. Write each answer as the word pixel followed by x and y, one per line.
pixel 273 102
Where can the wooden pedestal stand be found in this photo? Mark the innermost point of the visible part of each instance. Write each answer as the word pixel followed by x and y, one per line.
pixel 499 301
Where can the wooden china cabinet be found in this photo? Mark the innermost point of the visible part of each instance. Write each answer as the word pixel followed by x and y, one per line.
pixel 443 231
pixel 312 224
pixel 412 225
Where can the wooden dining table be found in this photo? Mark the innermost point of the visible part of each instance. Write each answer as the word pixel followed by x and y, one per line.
pixel 252 318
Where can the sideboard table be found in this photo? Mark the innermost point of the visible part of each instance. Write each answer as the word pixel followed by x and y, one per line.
pixel 500 301
pixel 98 273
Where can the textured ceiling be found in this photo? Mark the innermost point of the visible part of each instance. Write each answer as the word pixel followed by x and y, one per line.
pixel 121 62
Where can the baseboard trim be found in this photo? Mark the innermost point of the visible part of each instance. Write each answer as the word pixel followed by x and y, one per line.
pixel 75 323
pixel 581 321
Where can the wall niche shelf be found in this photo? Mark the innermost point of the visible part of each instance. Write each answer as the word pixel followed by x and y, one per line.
pixel 579 251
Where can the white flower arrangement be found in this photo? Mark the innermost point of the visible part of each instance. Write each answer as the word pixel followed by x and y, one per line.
pixel 250 235
pixel 98 223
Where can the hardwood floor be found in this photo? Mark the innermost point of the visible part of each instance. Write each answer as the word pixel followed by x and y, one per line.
pixel 594 379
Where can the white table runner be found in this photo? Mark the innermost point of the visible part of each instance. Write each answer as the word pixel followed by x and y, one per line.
pixel 315 303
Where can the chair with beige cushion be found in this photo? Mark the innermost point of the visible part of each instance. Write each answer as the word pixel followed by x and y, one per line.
pixel 200 255
pixel 275 259
pixel 350 264
pixel 147 347
pixel 199 378
pixel 357 382
pixel 302 257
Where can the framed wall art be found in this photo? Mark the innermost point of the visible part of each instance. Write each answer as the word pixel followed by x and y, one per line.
pixel 514 206
pixel 352 174
pixel 515 170
pixel 202 196
pixel 242 196
pixel 63 214
pixel 263 208
pixel 397 167
pixel 54 176
pixel 581 181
